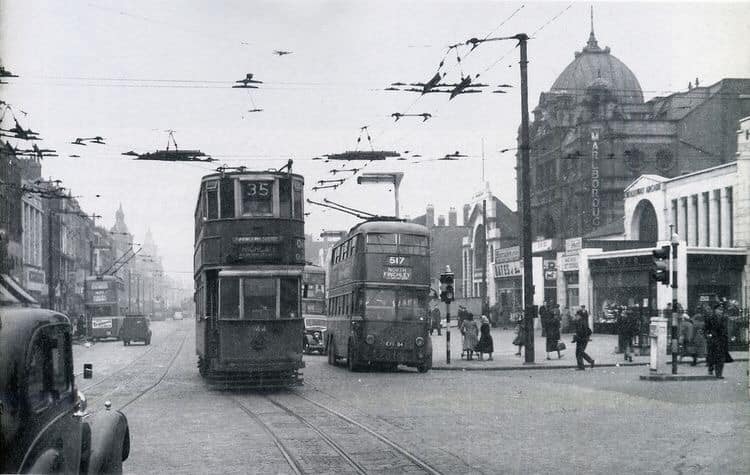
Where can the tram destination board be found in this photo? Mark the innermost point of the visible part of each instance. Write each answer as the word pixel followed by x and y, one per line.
pixel 256 248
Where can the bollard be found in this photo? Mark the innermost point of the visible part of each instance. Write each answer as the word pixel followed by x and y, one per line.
pixel 658 338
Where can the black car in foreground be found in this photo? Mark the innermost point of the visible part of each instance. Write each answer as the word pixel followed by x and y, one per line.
pixel 44 426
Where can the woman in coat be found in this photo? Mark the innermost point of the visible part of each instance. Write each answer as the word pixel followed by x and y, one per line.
pixel 470 332
pixel 699 334
pixel 553 331
pixel 485 344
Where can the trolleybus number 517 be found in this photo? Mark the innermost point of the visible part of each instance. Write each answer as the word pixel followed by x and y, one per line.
pixel 396 260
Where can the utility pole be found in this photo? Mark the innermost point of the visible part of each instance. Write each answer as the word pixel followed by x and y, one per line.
pixel 528 282
pixel 485 304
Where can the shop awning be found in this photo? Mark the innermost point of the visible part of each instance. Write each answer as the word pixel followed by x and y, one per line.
pixel 14 293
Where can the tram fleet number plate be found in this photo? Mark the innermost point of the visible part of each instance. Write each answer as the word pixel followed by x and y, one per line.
pixel 396 268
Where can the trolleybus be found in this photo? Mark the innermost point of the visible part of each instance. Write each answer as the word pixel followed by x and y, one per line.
pixel 105 305
pixel 248 262
pixel 314 308
pixel 379 287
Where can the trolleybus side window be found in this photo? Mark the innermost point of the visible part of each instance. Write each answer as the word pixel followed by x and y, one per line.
pixel 229 298
pixel 259 298
pixel 285 198
pixel 289 292
pixel 212 199
pixel 226 193
pixel 257 198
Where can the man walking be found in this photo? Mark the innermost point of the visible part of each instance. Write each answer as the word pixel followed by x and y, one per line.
pixel 718 341
pixel 581 338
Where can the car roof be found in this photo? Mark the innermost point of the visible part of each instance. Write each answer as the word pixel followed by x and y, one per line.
pixel 17 325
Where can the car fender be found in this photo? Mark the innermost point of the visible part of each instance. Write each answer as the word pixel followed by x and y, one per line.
pixel 308 338
pixel 110 441
pixel 48 462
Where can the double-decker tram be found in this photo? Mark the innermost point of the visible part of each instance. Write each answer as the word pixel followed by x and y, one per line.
pixel 249 257
pixel 105 305
pixel 379 288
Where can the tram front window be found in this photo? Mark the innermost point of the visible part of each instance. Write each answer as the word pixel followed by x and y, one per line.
pixel 257 198
pixel 229 299
pixel 259 298
pixel 289 298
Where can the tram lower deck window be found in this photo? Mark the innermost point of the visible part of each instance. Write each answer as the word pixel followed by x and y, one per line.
pixel 259 298
pixel 229 298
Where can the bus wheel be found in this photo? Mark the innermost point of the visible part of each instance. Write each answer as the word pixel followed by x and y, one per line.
pixel 423 368
pixel 331 353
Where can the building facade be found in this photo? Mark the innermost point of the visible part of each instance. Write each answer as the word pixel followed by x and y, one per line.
pixel 592 134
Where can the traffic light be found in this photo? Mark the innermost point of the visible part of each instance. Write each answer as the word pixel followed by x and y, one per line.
pixel 660 271
pixel 446 287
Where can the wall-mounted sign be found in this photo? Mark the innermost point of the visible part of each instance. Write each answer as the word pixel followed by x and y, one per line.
pixel 509 269
pixel 573 245
pixel 508 254
pixel 569 263
pixel 542 245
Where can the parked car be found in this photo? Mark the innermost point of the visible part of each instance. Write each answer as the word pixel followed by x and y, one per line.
pixel 135 327
pixel 315 328
pixel 44 426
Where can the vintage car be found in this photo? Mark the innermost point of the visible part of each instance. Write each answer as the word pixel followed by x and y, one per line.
pixel 44 426
pixel 315 328
pixel 135 328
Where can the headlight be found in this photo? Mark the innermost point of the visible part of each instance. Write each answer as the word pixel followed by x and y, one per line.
pixel 419 341
pixel 317 335
pixel 370 339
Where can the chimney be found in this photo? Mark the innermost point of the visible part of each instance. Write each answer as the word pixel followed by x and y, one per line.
pixel 429 217
pixel 452 217
pixel 441 220
pixel 467 211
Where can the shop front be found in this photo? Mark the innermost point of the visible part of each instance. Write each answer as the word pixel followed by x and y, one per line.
pixel 620 284
pixel 507 272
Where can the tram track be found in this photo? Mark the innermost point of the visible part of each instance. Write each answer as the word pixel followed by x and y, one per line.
pixel 125 367
pixel 351 447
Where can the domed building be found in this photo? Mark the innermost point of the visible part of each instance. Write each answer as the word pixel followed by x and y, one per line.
pixel 592 134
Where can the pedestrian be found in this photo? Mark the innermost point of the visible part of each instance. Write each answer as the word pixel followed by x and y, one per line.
pixel 543 318
pixel 627 328
pixel 699 332
pixel 81 326
pixel 553 331
pixel 435 317
pixel 687 338
pixel 581 338
pixel 566 320
pixel 520 338
pixel 718 341
pixel 485 344
pixel 470 331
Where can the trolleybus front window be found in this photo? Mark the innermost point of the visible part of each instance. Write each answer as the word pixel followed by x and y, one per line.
pixel 259 298
pixel 257 198
pixel 380 304
pixel 381 242
pixel 229 299
pixel 411 304
pixel 289 298
pixel 413 244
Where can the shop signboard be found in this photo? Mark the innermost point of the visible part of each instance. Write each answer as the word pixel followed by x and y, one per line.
pixel 550 269
pixel 543 245
pixel 569 263
pixel 509 269
pixel 508 254
pixel 573 245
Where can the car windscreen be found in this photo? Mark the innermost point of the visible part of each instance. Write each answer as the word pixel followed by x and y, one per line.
pixel 315 322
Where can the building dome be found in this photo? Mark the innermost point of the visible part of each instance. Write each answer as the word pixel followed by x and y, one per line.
pixel 596 66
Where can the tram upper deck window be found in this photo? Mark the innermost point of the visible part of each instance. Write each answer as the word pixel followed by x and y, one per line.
pixel 381 242
pixel 229 298
pixel 212 199
pixel 226 192
pixel 298 202
pixel 259 298
pixel 257 198
pixel 285 198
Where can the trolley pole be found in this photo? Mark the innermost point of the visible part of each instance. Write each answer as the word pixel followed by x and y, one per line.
pixel 525 192
pixel 675 313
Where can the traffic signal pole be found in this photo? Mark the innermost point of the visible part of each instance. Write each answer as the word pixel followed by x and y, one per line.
pixel 675 313
pixel 528 283
pixel 448 333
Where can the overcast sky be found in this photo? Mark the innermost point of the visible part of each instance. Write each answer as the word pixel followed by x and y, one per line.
pixel 130 70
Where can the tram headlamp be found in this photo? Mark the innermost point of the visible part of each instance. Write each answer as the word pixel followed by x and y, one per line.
pixel 419 341
pixel 370 339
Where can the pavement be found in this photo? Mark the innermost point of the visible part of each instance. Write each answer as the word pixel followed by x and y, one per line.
pixel 601 348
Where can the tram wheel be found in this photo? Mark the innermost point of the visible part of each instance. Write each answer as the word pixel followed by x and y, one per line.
pixel 331 353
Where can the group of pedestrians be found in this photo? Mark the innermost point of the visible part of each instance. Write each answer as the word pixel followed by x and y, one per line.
pixel 706 335
pixel 476 339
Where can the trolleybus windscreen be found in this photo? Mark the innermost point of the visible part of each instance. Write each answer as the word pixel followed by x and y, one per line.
pixel 393 305
pixel 102 311
pixel 257 198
